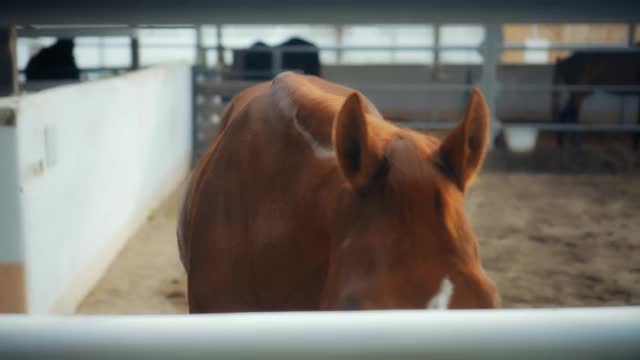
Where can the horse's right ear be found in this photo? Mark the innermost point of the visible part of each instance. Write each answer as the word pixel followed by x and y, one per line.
pixel 462 151
pixel 353 144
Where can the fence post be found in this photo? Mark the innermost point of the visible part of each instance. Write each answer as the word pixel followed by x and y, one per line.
pixel 135 51
pixel 491 52
pixel 201 55
pixel 8 70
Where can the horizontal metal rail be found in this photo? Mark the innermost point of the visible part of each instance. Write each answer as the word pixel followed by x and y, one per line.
pixel 564 127
pixel 445 87
pixel 75 31
pixel 305 49
pixel 572 46
pixel 349 48
pixel 505 47
pixel 596 333
pixel 545 87
pixel 410 87
pixel 427 125
pixel 97 69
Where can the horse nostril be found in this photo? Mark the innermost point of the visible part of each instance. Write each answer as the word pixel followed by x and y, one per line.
pixel 351 303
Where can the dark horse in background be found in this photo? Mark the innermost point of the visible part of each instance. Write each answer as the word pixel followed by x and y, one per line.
pixel 55 62
pixel 257 62
pixel 609 67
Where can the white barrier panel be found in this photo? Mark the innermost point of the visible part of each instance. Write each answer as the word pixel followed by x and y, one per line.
pixel 85 165
pixel 596 333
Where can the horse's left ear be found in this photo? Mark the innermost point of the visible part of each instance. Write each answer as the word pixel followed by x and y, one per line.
pixel 462 151
pixel 355 148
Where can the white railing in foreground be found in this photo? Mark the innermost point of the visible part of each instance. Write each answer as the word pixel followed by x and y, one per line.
pixel 595 333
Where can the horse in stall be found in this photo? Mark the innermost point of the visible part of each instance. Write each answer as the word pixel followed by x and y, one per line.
pixel 257 62
pixel 593 68
pixel 55 62
pixel 308 199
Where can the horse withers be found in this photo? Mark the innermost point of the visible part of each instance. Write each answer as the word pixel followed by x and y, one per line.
pixel 308 199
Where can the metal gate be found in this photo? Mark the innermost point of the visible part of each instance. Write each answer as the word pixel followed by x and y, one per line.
pixel 211 95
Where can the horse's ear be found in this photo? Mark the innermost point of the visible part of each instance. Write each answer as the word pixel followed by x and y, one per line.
pixel 353 145
pixel 462 151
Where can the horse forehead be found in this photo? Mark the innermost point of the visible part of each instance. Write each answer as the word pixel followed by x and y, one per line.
pixel 410 146
pixel 413 164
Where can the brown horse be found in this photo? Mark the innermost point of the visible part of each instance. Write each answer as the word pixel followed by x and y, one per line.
pixel 309 200
pixel 611 67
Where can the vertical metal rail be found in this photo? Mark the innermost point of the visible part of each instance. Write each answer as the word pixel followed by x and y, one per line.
pixel 201 55
pixel 195 71
pixel 436 52
pixel 135 50
pixel 8 64
pixel 339 40
pixel 491 52
pixel 220 49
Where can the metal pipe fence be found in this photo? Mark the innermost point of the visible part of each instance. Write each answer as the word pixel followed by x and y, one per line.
pixel 577 333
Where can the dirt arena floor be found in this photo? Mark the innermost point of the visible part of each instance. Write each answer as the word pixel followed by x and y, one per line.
pixel 546 240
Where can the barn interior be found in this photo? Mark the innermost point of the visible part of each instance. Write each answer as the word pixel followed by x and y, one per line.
pixel 105 108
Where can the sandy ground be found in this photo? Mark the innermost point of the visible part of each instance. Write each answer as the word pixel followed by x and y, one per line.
pixel 147 277
pixel 546 240
pixel 559 240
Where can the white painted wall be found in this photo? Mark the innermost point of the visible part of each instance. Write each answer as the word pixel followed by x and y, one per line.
pixel 93 160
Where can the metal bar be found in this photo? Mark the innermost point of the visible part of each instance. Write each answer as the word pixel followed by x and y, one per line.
pixel 586 46
pixel 436 52
pixel 596 333
pixel 339 40
pixel 75 31
pixel 427 125
pixel 446 87
pixel 378 48
pixel 489 82
pixel 361 48
pixel 98 69
pixel 276 64
pixel 543 87
pixel 554 126
pixel 211 86
pixel 410 87
pixel 201 54
pixel 146 45
pixel 195 74
pixel 135 51
pixel 8 64
pixel 220 47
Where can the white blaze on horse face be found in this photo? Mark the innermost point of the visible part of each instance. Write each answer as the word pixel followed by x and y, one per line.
pixel 440 301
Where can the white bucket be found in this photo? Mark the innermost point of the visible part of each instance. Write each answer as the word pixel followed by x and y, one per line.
pixel 521 139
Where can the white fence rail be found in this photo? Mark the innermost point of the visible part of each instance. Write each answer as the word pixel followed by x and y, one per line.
pixel 597 333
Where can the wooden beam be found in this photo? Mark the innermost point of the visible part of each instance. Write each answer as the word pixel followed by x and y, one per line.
pixel 8 70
